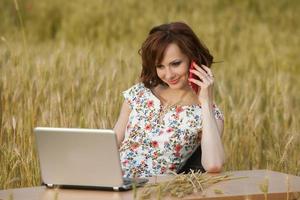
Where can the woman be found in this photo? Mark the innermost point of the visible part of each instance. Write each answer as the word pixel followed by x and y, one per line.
pixel 166 116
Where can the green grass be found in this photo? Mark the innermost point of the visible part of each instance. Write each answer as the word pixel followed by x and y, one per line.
pixel 79 56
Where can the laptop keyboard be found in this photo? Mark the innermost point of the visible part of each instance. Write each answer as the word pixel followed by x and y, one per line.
pixel 128 181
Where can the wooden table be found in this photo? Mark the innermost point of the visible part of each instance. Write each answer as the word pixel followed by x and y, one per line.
pixel 245 188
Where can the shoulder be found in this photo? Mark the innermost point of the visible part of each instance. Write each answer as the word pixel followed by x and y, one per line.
pixel 136 88
pixel 133 94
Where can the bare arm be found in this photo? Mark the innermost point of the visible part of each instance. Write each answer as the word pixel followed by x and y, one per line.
pixel 213 156
pixel 122 121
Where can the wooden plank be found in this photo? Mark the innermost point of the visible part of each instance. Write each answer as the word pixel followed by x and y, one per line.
pixel 240 189
pixel 250 186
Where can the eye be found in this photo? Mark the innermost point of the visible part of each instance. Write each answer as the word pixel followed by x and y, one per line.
pixel 176 63
pixel 159 66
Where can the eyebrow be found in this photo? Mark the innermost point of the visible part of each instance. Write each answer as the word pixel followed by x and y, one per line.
pixel 170 63
pixel 175 61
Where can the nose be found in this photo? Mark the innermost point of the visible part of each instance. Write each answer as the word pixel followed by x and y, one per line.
pixel 169 73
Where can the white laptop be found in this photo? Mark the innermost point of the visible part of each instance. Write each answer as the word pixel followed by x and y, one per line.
pixel 81 158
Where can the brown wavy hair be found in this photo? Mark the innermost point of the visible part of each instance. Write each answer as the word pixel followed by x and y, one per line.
pixel 159 37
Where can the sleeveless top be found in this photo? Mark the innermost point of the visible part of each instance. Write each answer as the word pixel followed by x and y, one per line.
pixel 152 146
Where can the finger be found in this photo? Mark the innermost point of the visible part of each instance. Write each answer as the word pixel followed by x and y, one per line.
pixel 197 82
pixel 202 75
pixel 199 68
pixel 204 69
pixel 208 70
pixel 198 73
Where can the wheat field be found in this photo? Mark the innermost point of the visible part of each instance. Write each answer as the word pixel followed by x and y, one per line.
pixel 65 64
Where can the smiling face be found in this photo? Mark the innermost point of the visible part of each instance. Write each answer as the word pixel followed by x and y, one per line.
pixel 174 67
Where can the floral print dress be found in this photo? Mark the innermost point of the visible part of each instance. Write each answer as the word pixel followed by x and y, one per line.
pixel 152 146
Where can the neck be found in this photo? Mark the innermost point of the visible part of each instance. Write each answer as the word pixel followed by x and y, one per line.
pixel 178 92
pixel 175 96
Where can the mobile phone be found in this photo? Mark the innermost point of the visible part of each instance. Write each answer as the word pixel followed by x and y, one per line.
pixel 194 86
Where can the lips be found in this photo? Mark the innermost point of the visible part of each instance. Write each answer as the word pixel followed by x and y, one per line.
pixel 173 81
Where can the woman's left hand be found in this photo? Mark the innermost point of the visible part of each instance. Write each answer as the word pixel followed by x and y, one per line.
pixel 206 82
